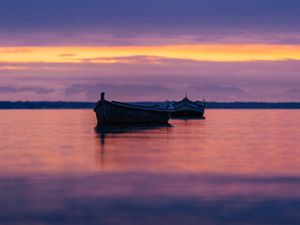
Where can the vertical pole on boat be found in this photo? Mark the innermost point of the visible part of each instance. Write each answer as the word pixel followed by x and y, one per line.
pixel 102 96
pixel 102 103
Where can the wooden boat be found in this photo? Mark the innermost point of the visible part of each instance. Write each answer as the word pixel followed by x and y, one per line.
pixel 112 112
pixel 187 108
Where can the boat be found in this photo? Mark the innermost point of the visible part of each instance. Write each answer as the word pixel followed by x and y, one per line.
pixel 187 108
pixel 113 112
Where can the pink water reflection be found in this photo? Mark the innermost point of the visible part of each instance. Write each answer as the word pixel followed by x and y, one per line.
pixel 253 142
pixel 228 142
pixel 235 167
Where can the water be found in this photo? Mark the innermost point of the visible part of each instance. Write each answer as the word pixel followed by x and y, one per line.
pixel 235 167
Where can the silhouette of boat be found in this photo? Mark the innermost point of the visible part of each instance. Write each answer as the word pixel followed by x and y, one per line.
pixel 112 112
pixel 187 108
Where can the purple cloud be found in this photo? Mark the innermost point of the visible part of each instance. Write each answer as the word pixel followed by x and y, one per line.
pixel 218 92
pixel 119 91
pixel 36 90
pixel 123 22
pixel 292 93
pixel 145 80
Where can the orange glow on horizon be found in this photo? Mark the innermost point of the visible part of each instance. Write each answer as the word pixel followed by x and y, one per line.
pixel 114 54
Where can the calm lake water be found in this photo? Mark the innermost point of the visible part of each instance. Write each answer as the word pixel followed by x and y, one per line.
pixel 235 167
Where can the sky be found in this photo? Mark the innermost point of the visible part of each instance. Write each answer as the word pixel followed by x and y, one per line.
pixel 154 50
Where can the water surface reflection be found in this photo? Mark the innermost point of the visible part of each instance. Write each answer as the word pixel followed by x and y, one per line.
pixel 235 167
pixel 148 198
pixel 108 131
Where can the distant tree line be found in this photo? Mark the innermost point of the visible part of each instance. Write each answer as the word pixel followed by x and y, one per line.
pixel 90 105
pixel 46 105
pixel 253 105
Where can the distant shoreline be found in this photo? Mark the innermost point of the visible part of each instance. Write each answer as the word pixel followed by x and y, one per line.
pixel 90 105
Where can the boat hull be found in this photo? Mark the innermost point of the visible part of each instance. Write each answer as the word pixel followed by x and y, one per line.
pixel 187 113
pixel 119 113
pixel 188 109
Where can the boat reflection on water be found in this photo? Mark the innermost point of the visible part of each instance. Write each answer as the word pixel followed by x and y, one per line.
pixel 103 131
pixel 118 129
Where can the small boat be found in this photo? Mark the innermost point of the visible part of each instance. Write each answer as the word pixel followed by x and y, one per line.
pixel 112 112
pixel 187 108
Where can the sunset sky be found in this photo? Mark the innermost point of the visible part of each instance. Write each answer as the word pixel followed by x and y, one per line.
pixel 233 50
